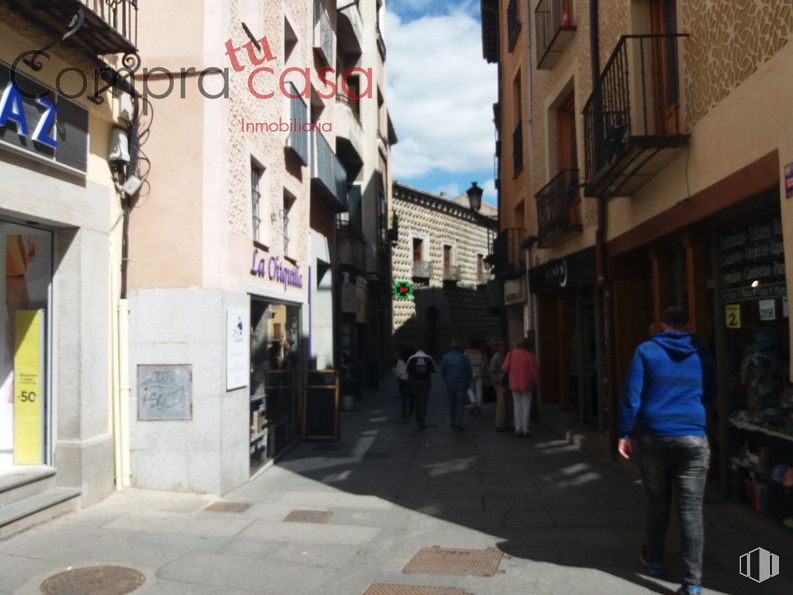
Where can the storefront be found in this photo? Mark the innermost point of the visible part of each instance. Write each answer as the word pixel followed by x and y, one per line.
pixel 564 293
pixel 728 270
pixel 277 364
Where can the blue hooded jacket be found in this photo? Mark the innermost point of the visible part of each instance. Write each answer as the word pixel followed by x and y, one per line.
pixel 456 370
pixel 670 379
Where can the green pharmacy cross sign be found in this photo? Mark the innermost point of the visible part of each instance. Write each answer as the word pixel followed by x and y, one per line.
pixel 403 290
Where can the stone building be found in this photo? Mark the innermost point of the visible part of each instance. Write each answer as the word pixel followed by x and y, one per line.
pixel 234 260
pixel 63 150
pixel 441 251
pixel 659 153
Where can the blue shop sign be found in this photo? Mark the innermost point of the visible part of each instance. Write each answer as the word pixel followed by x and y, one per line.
pixel 49 127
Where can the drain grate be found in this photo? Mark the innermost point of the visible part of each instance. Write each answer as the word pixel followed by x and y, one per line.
pixel 234 507
pixel 388 589
pixel 308 516
pixel 455 562
pixel 94 580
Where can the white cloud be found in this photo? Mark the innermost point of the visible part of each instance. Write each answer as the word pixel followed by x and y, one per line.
pixel 440 95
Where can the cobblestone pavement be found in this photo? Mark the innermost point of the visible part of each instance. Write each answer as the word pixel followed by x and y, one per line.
pixel 568 522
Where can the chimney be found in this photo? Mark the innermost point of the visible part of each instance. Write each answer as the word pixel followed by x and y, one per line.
pixel 443 194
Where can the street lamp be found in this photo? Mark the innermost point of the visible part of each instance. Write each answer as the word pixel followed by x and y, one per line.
pixel 475 197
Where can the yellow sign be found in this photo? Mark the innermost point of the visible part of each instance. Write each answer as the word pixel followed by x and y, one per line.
pixel 733 315
pixel 28 393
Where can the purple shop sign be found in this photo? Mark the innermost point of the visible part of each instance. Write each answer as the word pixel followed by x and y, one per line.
pixel 273 269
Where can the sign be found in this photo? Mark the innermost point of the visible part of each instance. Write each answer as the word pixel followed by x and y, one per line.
pixel 273 269
pixel 49 127
pixel 767 310
pixel 238 344
pixel 732 315
pixel 321 413
pixel 403 290
pixel 165 392
pixel 753 262
pixel 573 271
pixel 514 291
pixel 789 180
pixel 29 387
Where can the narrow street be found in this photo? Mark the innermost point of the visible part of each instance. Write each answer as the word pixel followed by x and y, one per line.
pixel 568 522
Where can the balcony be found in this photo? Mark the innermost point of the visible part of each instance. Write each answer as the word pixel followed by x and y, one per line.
pixel 381 43
pixel 349 132
pixel 350 245
pixel 349 26
pixel 298 138
pixel 107 28
pixel 422 270
pixel 328 175
pixel 324 36
pixel 558 207
pixel 508 259
pixel 553 20
pixel 452 273
pixel 632 125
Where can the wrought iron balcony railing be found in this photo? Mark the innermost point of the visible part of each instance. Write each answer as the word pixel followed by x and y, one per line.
pixel 328 174
pixel 452 273
pixel 558 205
pixel 508 259
pixel 298 137
pixel 553 21
pixel 632 119
pixel 422 270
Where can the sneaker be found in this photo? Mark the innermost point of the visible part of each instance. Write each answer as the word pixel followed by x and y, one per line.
pixel 654 569
pixel 689 590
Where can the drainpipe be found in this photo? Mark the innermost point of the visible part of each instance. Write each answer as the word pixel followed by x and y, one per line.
pixel 602 294
pixel 122 412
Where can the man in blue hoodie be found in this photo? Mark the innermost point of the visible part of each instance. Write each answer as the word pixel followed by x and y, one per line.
pixel 670 380
pixel 456 373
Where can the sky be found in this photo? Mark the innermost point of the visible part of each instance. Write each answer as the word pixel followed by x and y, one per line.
pixel 440 96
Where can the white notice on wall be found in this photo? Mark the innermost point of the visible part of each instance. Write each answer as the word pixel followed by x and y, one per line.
pixel 767 310
pixel 238 344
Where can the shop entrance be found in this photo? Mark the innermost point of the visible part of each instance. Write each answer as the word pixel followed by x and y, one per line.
pixel 25 290
pixel 277 356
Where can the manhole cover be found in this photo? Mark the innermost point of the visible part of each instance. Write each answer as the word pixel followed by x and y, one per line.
pixel 95 580
pixel 455 562
pixel 386 589
pixel 235 507
pixel 308 516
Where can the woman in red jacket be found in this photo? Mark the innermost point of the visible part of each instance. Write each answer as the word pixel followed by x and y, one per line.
pixel 521 366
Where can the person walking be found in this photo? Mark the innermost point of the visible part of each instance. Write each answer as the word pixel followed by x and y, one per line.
pixel 403 381
pixel 498 378
pixel 521 367
pixel 456 373
pixel 476 357
pixel 670 380
pixel 420 368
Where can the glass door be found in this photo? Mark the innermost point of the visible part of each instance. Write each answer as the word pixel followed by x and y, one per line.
pixel 25 290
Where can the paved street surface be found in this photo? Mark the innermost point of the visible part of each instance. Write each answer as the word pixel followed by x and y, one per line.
pixel 569 522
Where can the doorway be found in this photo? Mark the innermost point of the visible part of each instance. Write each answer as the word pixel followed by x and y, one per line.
pixel 663 22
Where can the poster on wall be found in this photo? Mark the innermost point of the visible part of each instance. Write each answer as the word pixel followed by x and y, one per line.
pixel 238 343
pixel 165 392
pixel 28 387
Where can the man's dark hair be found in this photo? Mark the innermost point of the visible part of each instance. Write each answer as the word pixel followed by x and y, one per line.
pixel 675 318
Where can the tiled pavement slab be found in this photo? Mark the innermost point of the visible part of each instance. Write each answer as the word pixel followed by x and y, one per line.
pixel 568 522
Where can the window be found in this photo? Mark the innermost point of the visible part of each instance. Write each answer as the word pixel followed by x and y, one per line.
pixel 517 135
pixel 566 150
pixel 480 268
pixel 257 171
pixel 418 250
pixel 447 261
pixel 289 200
pixel 513 22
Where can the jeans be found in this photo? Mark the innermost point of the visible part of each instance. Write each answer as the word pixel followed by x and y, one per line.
pixel 679 464
pixel 421 394
pixel 522 402
pixel 475 391
pixel 456 404
pixel 406 396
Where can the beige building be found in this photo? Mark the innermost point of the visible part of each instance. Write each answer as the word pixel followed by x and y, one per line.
pixel 234 264
pixel 682 151
pixel 61 233
pixel 441 253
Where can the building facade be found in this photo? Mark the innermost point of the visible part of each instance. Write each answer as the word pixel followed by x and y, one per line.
pixel 441 253
pixel 682 152
pixel 234 260
pixel 64 154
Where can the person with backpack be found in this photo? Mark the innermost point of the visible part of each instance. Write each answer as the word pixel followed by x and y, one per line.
pixel 420 367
